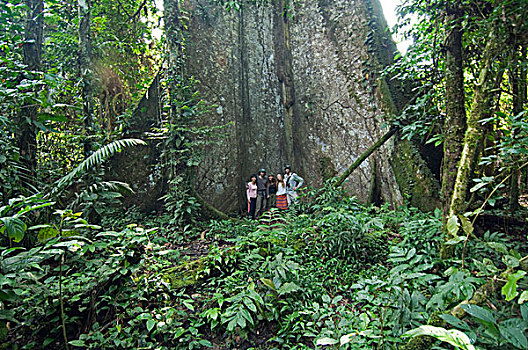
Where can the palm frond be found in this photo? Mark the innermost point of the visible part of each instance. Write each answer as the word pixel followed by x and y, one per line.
pixel 97 158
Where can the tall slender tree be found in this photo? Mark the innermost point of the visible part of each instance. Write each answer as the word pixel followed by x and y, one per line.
pixel 518 83
pixel 86 71
pixel 26 138
pixel 454 125
pixel 481 107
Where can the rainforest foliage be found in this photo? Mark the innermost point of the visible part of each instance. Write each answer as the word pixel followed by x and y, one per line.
pixel 81 268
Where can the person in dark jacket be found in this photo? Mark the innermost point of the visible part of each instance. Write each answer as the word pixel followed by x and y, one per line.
pixel 262 192
pixel 272 182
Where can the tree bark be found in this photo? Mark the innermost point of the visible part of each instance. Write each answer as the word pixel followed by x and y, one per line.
pixel 27 137
pixel 86 72
pixel 518 82
pixel 176 73
pixel 455 121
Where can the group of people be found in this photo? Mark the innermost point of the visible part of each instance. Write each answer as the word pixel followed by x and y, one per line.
pixel 265 192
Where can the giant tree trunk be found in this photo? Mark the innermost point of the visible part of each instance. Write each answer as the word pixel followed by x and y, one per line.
pixel 86 72
pixel 480 108
pixel 455 122
pixel 27 139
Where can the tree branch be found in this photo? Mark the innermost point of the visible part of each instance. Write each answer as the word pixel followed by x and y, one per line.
pixel 364 156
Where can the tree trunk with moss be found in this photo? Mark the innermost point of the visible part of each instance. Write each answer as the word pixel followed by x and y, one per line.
pixel 27 133
pixel 455 122
pixel 365 155
pixel 481 107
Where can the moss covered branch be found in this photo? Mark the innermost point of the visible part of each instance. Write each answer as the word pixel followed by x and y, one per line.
pixel 364 156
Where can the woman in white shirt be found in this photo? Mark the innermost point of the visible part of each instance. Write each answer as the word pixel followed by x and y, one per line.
pixel 252 196
pixel 281 201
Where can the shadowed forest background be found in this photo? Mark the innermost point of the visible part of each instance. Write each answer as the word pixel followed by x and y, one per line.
pixel 129 128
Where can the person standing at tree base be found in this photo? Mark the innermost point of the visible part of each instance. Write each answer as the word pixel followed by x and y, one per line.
pixel 293 182
pixel 281 197
pixel 272 186
pixel 251 194
pixel 262 192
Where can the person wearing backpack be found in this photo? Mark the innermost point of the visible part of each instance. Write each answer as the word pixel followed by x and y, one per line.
pixel 293 182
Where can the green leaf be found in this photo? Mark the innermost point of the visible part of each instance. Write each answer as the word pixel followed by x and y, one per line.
pixel 514 336
pixel 524 310
pixel 96 158
pixel 205 343
pixel 188 304
pixel 15 228
pixel 410 253
pixel 249 303
pixel 479 312
pixel 287 288
pixel 453 336
pixel 78 342
pixel 232 324
pixel 268 283
pixel 44 117
pixel 467 227
pixel 8 315
pixel 240 319
pixel 455 240
pixel 478 186
pixel 345 339
pixel 499 247
pixel 509 290
pixel 327 341
pixel 452 225
pixel 510 261
pixel 150 324
pixel 455 321
pixel 246 315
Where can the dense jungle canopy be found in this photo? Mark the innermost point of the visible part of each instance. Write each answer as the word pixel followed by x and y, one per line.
pixel 129 131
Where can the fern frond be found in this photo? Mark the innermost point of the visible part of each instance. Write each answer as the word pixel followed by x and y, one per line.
pixel 97 158
pixel 116 186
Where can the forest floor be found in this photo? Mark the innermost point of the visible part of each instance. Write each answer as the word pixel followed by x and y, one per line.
pixel 330 271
